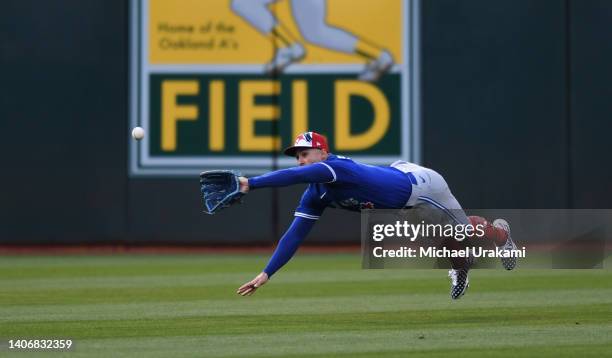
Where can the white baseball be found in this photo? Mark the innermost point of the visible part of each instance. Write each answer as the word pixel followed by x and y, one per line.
pixel 138 133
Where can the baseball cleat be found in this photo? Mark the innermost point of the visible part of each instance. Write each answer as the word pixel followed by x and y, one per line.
pixel 509 263
pixel 284 57
pixel 377 68
pixel 459 282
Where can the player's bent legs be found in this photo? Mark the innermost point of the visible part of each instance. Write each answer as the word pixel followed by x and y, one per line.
pixel 431 192
pixel 435 191
pixel 439 192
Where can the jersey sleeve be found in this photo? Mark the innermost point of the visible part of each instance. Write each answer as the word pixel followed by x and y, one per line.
pixel 313 202
pixel 288 244
pixel 314 173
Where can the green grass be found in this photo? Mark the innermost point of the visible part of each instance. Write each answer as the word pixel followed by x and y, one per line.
pixel 319 305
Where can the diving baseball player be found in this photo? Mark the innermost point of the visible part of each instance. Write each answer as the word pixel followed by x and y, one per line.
pixel 341 182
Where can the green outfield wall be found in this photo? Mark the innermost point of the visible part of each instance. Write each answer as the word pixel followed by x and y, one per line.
pixel 515 109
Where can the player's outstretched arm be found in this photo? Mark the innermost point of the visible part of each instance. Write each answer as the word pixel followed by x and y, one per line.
pixel 287 246
pixel 314 173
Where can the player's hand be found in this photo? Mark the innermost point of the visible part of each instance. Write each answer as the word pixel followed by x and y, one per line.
pixel 250 287
pixel 244 184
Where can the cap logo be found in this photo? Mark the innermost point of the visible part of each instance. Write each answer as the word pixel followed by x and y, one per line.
pixel 304 139
pixel 308 140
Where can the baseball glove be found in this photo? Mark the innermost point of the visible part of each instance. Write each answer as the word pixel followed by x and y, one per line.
pixel 220 189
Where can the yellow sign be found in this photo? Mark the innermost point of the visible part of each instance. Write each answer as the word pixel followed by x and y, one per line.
pixel 219 31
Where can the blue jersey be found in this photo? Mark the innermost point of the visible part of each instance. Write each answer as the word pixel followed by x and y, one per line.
pixel 341 182
pixel 356 186
pixel 336 182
